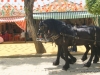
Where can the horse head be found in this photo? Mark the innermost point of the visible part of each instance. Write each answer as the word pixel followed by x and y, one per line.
pixel 50 28
pixel 44 31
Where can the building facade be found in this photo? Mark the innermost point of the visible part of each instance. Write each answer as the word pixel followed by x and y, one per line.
pixel 12 14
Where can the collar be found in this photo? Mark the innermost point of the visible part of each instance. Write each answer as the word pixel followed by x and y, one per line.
pixel 54 37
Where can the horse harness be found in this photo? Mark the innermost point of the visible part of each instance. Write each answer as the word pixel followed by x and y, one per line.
pixel 74 36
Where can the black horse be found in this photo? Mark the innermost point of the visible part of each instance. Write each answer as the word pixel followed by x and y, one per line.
pixel 84 57
pixel 72 60
pixel 63 36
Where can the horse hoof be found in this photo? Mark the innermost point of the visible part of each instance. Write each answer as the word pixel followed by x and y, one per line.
pixel 87 65
pixel 65 68
pixel 84 58
pixel 55 63
pixel 96 60
pixel 74 59
pixel 70 61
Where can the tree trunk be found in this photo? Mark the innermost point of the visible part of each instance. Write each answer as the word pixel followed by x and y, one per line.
pixel 28 7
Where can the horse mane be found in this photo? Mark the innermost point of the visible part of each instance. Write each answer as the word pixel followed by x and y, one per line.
pixel 54 24
pixel 60 26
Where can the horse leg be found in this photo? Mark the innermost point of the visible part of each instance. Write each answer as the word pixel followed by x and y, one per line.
pixel 84 57
pixel 66 66
pixel 72 59
pixel 96 58
pixel 58 56
pixel 62 54
pixel 88 64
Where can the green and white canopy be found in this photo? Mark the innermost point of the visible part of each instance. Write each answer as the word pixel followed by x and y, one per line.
pixel 63 15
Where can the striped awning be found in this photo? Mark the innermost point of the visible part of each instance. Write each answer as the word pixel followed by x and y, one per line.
pixel 11 19
pixel 63 15
pixel 20 21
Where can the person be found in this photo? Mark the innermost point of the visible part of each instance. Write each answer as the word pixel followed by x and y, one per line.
pixel 6 36
pixel 14 31
pixel 73 48
pixel 0 34
pixel 22 35
pixel 1 40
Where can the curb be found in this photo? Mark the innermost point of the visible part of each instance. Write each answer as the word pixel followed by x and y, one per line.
pixel 38 55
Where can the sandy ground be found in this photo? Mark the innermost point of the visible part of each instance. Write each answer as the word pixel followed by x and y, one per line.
pixel 29 49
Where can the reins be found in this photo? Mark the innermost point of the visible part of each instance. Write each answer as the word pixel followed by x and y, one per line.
pixel 77 37
pixel 54 37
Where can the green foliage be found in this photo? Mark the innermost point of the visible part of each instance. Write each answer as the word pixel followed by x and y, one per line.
pixel 93 6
